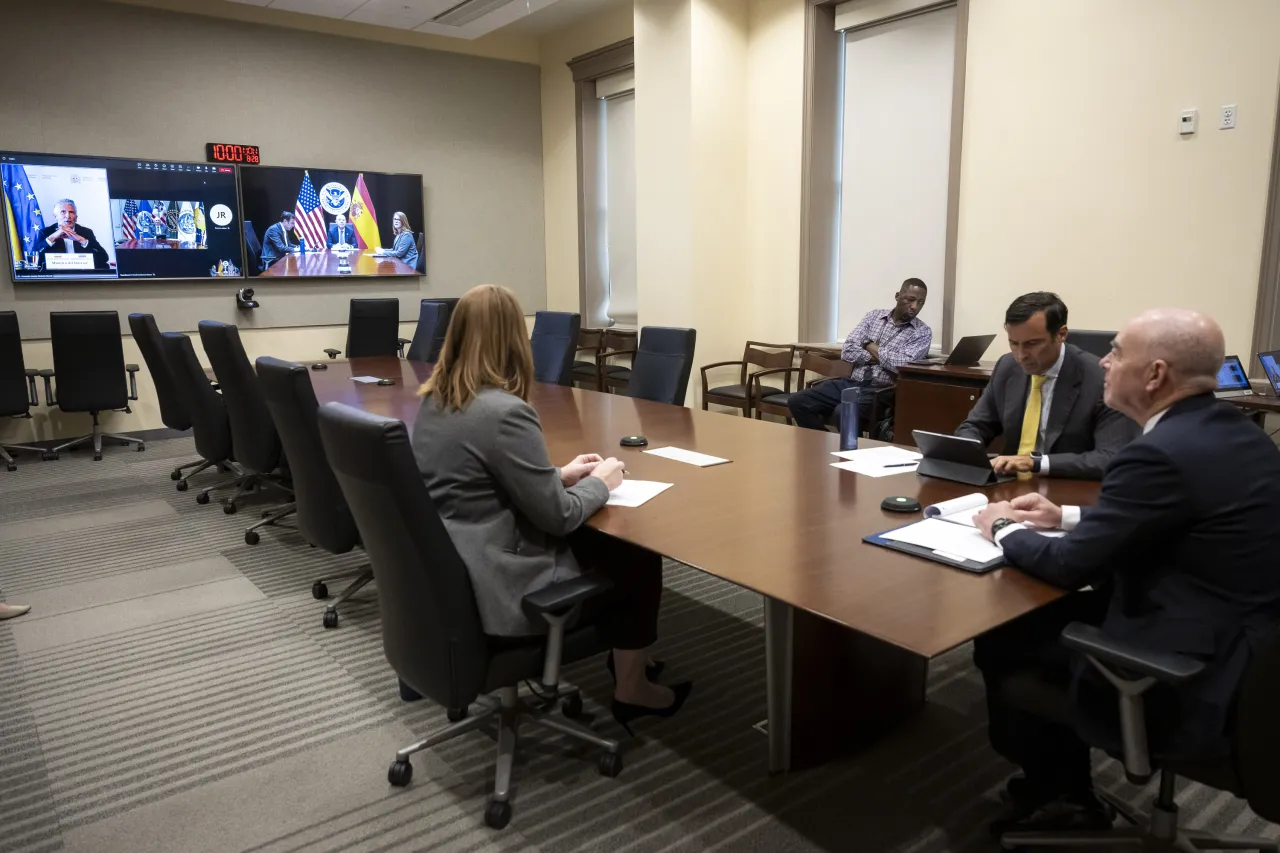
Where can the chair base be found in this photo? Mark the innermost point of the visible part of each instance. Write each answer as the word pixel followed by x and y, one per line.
pixel 182 479
pixel 9 464
pixel 248 483
pixel 269 519
pixel 1158 832
pixel 96 437
pixel 319 590
pixel 511 711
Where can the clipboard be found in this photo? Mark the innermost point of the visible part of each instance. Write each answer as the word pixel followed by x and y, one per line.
pixel 954 561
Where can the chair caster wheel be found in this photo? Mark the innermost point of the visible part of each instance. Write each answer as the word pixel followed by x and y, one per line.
pixel 400 773
pixel 175 475
pixel 497 815
pixel 319 591
pixel 141 447
pixel 265 513
pixel 9 466
pixel 182 486
pixel 202 498
pixel 49 456
pixel 229 508
pixel 456 715
pixel 572 707
pixel 331 619
pixel 251 537
pixel 97 457
pixel 610 764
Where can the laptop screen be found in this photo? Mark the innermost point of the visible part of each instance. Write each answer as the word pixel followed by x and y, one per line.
pixel 1231 376
pixel 1271 364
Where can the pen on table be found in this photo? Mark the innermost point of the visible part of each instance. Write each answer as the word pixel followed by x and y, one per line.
pixel 894 465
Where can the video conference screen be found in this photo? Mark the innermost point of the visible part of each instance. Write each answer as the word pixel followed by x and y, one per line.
pixel 323 222
pixel 73 218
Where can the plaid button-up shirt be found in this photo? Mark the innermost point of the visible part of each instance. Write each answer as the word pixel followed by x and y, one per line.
pixel 899 343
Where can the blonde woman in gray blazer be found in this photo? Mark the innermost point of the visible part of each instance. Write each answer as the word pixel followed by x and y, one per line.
pixel 516 519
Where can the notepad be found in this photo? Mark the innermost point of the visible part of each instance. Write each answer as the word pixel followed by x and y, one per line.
pixel 877 461
pixel 634 493
pixel 690 457
pixel 947 540
pixel 367 380
pixel 959 510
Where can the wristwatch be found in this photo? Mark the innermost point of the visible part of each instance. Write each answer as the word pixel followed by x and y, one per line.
pixel 1000 524
pixel 1036 457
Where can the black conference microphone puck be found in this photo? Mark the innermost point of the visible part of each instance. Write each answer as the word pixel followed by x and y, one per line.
pixel 634 441
pixel 319 365
pixel 900 504
pixel 386 382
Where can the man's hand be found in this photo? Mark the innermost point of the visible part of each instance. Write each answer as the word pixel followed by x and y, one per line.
pixel 1013 464
pixel 1037 510
pixel 873 349
pixel 580 467
pixel 992 514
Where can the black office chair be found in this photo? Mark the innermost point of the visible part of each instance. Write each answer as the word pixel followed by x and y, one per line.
pixel 1091 341
pixel 1249 772
pixel 210 424
pixel 428 337
pixel 253 434
pixel 88 361
pixel 431 630
pixel 323 518
pixel 373 328
pixel 17 383
pixel 554 342
pixel 662 364
pixel 253 245
pixel 422 254
pixel 172 413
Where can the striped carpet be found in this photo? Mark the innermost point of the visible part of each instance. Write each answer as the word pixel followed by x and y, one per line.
pixel 173 690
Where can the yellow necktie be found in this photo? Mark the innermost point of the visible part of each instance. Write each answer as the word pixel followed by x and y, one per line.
pixel 1031 419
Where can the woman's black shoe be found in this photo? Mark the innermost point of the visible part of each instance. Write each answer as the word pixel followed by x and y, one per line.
pixel 651 672
pixel 626 713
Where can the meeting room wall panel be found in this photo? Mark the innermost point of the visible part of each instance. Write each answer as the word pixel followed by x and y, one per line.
pixel 136 82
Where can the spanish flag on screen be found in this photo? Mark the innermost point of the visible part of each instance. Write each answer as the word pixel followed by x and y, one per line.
pixel 364 218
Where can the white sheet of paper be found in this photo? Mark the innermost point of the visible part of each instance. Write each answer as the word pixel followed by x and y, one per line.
pixel 950 539
pixel 959 510
pixel 365 379
pixel 877 461
pixel 636 492
pixel 702 460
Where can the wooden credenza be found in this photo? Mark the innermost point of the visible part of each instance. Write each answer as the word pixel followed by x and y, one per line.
pixel 935 398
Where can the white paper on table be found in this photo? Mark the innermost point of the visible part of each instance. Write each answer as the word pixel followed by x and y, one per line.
pixel 947 540
pixel 367 380
pixel 702 460
pixel 959 510
pixel 877 461
pixel 634 493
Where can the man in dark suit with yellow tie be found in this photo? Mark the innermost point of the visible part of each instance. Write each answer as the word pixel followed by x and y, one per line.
pixel 1045 398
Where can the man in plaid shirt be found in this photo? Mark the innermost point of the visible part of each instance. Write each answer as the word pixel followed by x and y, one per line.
pixel 877 347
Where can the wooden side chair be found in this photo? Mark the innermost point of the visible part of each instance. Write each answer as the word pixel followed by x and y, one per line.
pixel 588 372
pixel 617 343
pixel 820 365
pixel 754 355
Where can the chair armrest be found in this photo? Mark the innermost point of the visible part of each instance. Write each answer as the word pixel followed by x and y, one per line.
pixel 401 343
pixel 706 367
pixel 333 353
pixel 49 398
pixel 608 354
pixel 1128 659
pixel 132 370
pixel 561 597
pixel 756 386
pixel 33 395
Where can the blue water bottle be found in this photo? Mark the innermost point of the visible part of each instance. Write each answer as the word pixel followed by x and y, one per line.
pixel 302 245
pixel 849 418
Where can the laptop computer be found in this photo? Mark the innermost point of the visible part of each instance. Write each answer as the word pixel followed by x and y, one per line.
pixel 1271 366
pixel 1232 380
pixel 952 457
pixel 967 352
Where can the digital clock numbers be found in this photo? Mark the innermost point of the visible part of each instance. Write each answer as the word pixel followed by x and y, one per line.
pixel 227 152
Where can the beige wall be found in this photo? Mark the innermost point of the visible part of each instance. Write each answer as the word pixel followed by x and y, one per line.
pixel 1074 178
pixel 560 145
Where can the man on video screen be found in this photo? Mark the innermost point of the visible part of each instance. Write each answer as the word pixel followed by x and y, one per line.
pixel 65 236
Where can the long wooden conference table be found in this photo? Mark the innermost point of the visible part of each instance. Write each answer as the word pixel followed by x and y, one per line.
pixel 850 627
pixel 329 262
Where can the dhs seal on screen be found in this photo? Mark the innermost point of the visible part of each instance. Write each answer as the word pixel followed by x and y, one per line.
pixel 335 198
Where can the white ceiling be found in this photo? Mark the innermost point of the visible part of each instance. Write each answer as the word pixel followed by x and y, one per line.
pixel 419 15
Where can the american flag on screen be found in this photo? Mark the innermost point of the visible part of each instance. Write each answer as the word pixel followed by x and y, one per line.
pixel 129 219
pixel 310 219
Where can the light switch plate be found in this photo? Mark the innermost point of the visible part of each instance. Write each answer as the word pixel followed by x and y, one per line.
pixel 1187 122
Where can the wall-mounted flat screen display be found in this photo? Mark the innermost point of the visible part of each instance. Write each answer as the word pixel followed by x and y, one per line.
pixel 324 222
pixel 72 218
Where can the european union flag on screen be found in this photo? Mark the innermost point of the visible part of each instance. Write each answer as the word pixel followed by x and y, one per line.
pixel 25 219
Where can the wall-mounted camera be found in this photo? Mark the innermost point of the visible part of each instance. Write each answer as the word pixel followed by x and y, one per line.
pixel 244 298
